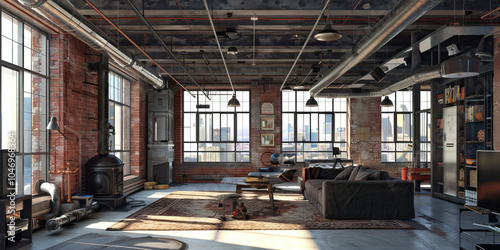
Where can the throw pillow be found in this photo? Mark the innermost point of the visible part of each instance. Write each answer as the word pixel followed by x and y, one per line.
pixel 355 172
pixel 344 175
pixel 384 175
pixel 365 174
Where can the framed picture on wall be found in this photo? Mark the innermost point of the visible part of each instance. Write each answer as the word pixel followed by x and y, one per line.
pixel 267 108
pixel 267 123
pixel 267 140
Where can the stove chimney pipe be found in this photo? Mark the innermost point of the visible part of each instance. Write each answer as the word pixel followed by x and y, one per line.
pixel 104 127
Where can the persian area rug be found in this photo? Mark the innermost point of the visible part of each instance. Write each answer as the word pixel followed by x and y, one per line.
pixel 189 210
pixel 94 241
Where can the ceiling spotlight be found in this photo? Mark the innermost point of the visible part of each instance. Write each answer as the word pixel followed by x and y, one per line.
pixel 378 74
pixel 366 6
pixel 386 102
pixel 328 34
pixel 232 51
pixel 312 102
pixel 452 49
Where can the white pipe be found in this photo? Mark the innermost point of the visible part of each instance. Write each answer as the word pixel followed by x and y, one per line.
pixel 78 27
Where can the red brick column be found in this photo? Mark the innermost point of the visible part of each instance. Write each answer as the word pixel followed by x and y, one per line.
pixel 138 129
pixel 364 116
pixel 496 93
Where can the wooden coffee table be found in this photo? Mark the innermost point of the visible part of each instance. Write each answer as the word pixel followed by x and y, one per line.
pixel 241 183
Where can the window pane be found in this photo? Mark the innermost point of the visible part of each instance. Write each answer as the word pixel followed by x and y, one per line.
pixel 243 127
pixel 189 132
pixel 287 127
pixel 314 127
pixel 340 127
pixel 288 101
pixel 404 127
pixel 303 127
pixel 10 104
pixel 404 101
pixel 387 127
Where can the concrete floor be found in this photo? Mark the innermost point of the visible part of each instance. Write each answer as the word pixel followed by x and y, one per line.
pixel 436 226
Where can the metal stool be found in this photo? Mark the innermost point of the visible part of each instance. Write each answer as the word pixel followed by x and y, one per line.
pixel 222 199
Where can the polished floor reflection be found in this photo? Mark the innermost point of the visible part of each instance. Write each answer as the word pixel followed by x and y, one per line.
pixel 436 226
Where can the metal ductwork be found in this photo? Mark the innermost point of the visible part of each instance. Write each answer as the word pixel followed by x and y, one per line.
pixel 403 14
pixel 68 19
pixel 55 202
pixel 458 67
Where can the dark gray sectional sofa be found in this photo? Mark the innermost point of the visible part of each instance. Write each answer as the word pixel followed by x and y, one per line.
pixel 357 192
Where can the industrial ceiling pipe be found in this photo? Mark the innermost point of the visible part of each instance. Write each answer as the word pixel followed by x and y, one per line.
pixel 143 19
pixel 76 25
pixel 457 67
pixel 403 14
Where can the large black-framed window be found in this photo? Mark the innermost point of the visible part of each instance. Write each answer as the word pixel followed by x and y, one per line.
pixel 425 127
pixel 119 118
pixel 397 125
pixel 218 133
pixel 24 99
pixel 312 132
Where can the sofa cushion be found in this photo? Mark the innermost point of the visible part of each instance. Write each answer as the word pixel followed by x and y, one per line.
pixel 384 175
pixel 344 175
pixel 329 173
pixel 354 172
pixel 367 174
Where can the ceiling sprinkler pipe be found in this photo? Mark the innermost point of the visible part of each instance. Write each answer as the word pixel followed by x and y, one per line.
pixel 69 20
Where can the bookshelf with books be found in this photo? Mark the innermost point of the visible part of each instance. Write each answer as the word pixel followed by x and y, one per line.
pixel 462 113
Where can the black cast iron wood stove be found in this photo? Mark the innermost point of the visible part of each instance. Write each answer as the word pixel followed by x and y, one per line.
pixel 104 172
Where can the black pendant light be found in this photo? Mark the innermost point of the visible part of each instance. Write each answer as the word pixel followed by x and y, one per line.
pixel 386 102
pixel 311 102
pixel 233 102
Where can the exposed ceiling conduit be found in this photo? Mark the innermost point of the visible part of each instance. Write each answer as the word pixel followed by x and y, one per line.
pixel 74 24
pixel 218 45
pixel 458 67
pixel 138 13
pixel 436 37
pixel 305 43
pixel 403 14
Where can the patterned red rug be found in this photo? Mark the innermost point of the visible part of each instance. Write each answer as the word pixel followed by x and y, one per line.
pixel 188 210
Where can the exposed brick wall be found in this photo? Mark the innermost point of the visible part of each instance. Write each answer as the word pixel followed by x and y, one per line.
pixel 365 131
pixel 138 129
pixel 73 103
pixel 365 149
